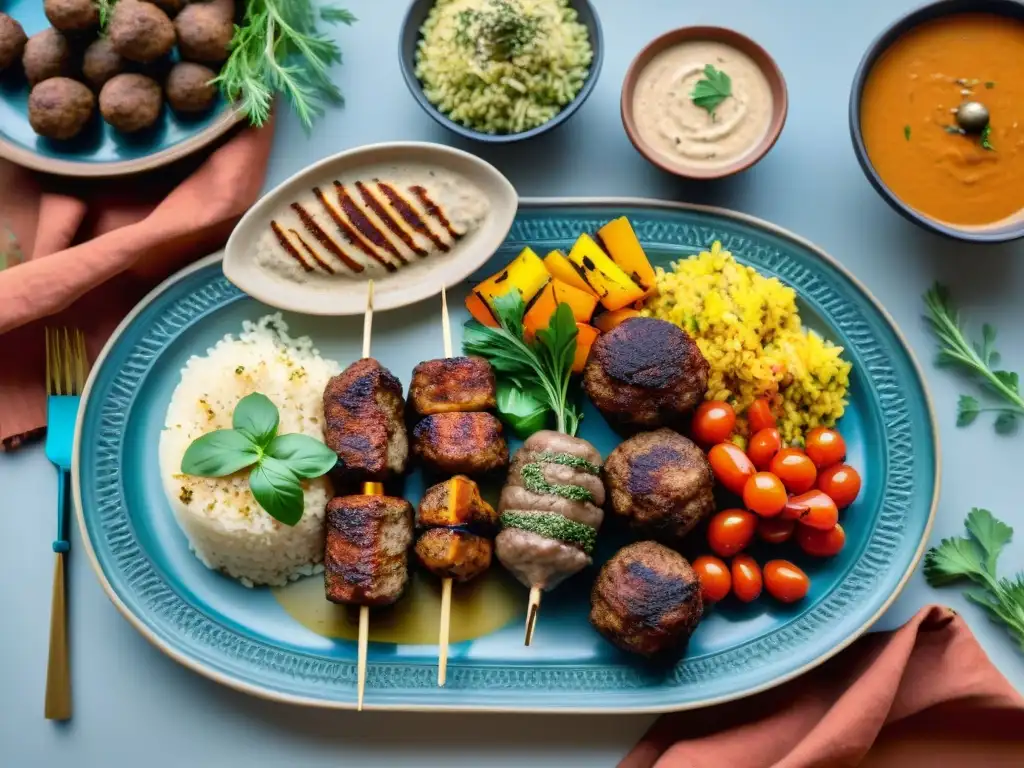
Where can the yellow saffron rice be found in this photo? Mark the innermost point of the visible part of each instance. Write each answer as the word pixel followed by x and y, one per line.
pixel 748 328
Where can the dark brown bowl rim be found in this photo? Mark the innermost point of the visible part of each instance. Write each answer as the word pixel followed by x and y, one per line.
pixel 761 57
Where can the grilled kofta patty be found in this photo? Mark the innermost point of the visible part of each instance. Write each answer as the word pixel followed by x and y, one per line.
pixel 363 410
pixel 646 600
pixel 366 558
pixel 646 373
pixel 662 483
pixel 453 384
pixel 468 443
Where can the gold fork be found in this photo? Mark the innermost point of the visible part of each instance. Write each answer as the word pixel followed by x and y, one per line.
pixel 65 379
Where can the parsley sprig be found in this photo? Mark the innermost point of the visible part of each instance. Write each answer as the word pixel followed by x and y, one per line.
pixel 978 359
pixel 712 90
pixel 539 370
pixel 974 557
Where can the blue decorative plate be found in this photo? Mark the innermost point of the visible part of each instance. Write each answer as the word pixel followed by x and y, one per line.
pixel 283 644
pixel 99 151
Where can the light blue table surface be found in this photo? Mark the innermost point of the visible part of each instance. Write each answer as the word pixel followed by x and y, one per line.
pixel 135 706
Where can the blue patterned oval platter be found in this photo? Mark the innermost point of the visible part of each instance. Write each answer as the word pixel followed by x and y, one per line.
pixel 289 644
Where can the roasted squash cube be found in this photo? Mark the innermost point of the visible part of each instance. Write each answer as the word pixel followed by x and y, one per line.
pixel 624 247
pixel 613 286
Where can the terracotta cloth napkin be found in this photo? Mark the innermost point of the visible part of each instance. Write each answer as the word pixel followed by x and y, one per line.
pixel 89 250
pixel 924 695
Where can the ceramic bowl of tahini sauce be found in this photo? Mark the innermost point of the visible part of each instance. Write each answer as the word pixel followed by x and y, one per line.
pixel 704 102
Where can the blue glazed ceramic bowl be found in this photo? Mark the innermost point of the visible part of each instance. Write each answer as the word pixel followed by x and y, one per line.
pixel 410 38
pixel 99 151
pixel 1010 8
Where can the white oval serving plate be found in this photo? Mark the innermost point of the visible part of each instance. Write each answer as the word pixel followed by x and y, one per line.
pixel 416 282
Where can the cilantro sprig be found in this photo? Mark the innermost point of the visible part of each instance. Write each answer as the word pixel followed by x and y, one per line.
pixel 979 359
pixel 712 90
pixel 278 462
pixel 533 375
pixel 974 557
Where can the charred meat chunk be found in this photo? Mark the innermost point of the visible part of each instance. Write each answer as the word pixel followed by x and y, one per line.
pixel 662 483
pixel 646 373
pixel 467 443
pixel 646 600
pixel 453 554
pixel 363 410
pixel 456 503
pixel 453 384
pixel 366 554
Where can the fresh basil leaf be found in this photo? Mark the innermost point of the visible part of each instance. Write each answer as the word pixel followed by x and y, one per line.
pixel 305 456
pixel 219 453
pixel 256 418
pixel 524 412
pixel 276 488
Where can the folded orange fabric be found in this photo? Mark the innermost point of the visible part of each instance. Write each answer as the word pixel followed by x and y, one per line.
pixel 924 695
pixel 90 250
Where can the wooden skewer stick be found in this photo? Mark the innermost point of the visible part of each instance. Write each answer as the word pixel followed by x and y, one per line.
pixel 446 584
pixel 369 489
pixel 532 608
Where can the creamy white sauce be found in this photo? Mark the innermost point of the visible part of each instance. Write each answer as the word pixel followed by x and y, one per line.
pixel 688 135
pixel 369 234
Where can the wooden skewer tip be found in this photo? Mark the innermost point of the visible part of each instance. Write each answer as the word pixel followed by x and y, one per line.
pixel 364 634
pixel 446 617
pixel 533 607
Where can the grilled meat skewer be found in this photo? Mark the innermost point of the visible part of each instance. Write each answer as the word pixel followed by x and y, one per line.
pixel 453 384
pixel 467 443
pixel 459 523
pixel 364 414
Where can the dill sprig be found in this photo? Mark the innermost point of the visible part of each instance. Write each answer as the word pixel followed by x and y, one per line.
pixel 278 49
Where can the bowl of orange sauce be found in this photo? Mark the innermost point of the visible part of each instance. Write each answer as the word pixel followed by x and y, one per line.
pixel 907 125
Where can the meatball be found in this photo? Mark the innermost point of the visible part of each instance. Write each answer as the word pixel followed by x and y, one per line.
pixel 646 373
pixel 131 102
pixel 12 41
pixel 204 33
pixel 101 62
pixel 60 107
pixel 170 7
pixel 140 31
pixel 47 54
pixel 189 88
pixel 662 483
pixel 646 600
pixel 72 15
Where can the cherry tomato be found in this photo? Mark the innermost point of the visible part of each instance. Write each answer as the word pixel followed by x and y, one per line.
pixel 841 482
pixel 813 508
pixel 763 447
pixel 794 469
pixel 825 447
pixel 785 582
pixel 764 494
pixel 821 543
pixel 731 466
pixel 746 578
pixel 715 578
pixel 713 422
pixel 731 531
pixel 760 416
pixel 775 530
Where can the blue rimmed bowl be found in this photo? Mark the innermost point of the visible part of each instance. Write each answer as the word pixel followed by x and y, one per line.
pixel 409 41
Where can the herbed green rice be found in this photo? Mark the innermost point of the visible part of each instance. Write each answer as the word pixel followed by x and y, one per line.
pixel 485 73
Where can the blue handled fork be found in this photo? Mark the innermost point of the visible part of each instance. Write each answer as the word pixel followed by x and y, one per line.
pixel 65 380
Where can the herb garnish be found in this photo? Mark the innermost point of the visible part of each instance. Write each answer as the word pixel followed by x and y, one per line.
pixel 278 48
pixel 906 132
pixel 715 88
pixel 281 461
pixel 974 557
pixel 534 480
pixel 990 85
pixel 978 359
pixel 539 370
pixel 500 31
pixel 986 133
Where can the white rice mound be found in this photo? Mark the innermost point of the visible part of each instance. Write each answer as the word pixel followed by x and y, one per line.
pixel 226 528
